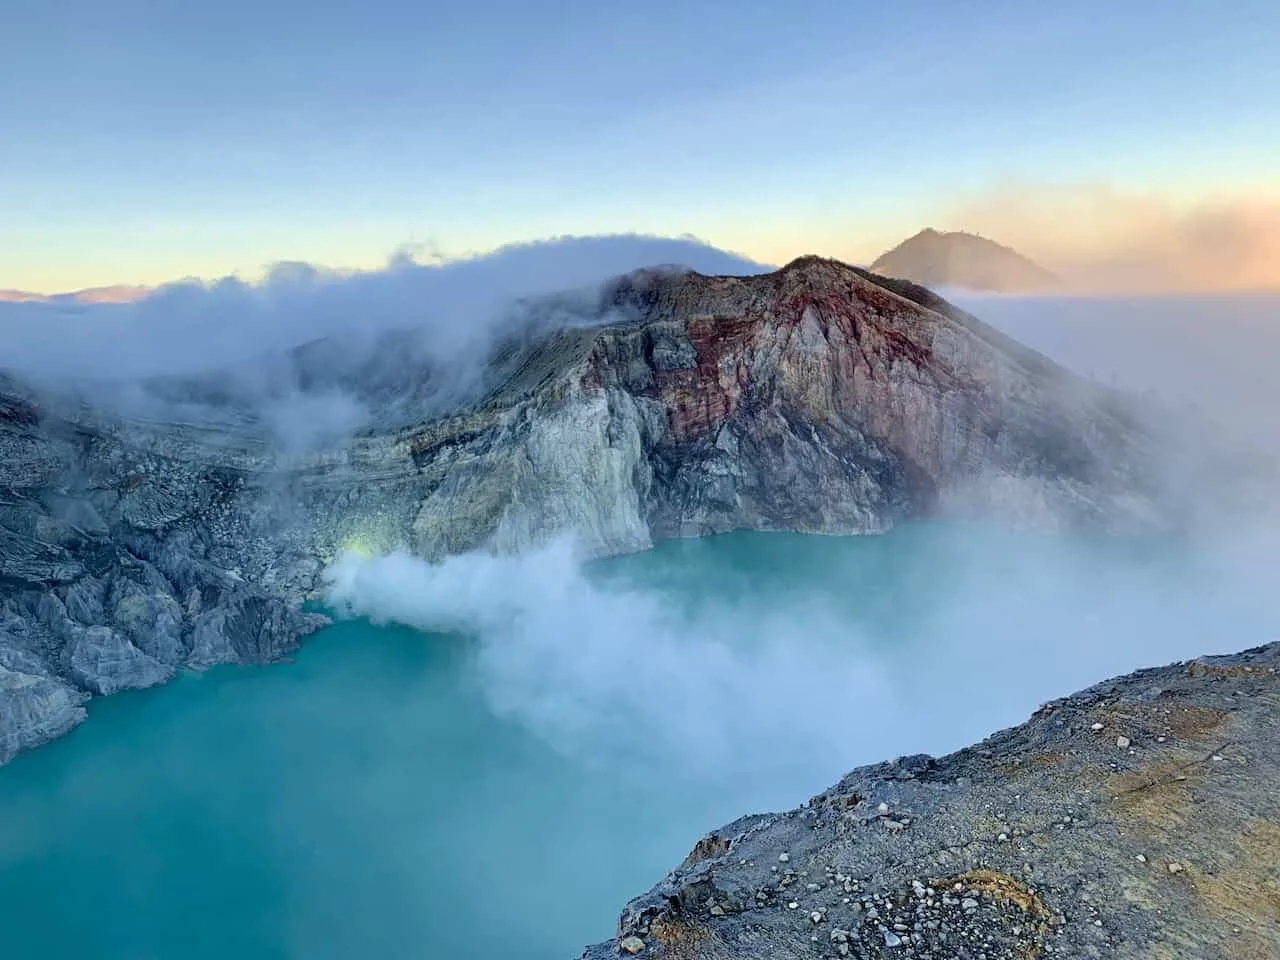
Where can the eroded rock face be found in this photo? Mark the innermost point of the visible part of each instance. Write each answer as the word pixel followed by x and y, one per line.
pixel 1137 819
pixel 818 398
pixel 35 709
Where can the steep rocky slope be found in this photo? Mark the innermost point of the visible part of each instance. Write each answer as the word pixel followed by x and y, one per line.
pixel 817 398
pixel 966 261
pixel 1137 819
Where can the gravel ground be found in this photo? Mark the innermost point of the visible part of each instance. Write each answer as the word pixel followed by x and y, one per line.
pixel 1139 818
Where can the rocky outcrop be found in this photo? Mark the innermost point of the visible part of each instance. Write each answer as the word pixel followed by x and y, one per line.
pixel 818 398
pixel 1138 819
pixel 964 261
pixel 111 577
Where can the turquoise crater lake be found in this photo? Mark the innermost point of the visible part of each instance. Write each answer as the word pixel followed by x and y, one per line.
pixel 499 772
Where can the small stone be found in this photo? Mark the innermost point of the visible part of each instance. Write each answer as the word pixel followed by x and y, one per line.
pixel 1096 727
pixel 1003 838
pixel 1142 858
pixel 839 936
pixel 891 939
pixel 1123 742
pixel 816 916
pixel 792 905
pixel 717 910
pixel 883 808
pixel 631 945
pixel 1175 867
pixel 968 903
pixel 784 858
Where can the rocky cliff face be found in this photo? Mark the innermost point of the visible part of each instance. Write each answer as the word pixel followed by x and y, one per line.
pixel 818 398
pixel 1138 819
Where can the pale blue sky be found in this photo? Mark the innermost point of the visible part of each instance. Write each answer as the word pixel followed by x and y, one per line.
pixel 144 141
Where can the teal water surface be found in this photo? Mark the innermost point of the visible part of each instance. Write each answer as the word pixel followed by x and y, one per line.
pixel 375 798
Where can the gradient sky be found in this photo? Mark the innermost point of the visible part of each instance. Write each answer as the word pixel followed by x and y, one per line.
pixel 144 141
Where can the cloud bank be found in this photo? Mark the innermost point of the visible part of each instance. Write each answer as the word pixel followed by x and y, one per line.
pixel 192 327
pixel 308 355
pixel 1212 353
pixel 1106 241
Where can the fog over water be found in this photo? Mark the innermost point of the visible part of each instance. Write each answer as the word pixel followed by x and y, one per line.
pixel 549 738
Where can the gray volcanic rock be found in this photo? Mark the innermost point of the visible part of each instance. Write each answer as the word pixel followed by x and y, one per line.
pixel 34 708
pixel 818 398
pixel 1137 819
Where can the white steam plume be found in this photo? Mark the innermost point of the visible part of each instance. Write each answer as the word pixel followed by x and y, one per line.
pixel 783 688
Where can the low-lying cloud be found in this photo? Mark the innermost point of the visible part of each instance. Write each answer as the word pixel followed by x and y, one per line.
pixel 770 693
pixel 309 355
pixel 193 327
pixel 1209 353
pixel 1104 241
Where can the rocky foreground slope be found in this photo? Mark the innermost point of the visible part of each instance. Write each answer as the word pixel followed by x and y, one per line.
pixel 1137 819
pixel 817 398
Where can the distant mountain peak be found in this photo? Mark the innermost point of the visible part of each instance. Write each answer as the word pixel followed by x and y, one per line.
pixel 120 293
pixel 937 258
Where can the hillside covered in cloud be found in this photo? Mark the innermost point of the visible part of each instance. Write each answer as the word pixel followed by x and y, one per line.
pixel 193 326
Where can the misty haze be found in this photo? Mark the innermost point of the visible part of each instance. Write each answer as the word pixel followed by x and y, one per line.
pixel 884 569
